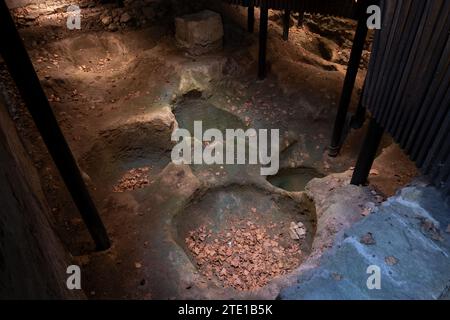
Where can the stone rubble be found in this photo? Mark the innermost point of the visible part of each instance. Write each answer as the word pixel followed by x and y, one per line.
pixel 133 179
pixel 246 257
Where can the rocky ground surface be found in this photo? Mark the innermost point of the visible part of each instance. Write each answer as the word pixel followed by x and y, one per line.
pixel 119 87
pixel 407 239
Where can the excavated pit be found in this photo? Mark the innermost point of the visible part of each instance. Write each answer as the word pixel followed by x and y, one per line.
pixel 294 179
pixel 190 110
pixel 129 156
pixel 91 54
pixel 239 236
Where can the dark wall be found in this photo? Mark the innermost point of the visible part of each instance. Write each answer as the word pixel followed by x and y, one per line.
pixel 407 86
pixel 32 260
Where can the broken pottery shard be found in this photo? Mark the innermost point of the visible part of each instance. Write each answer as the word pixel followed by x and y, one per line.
pixel 368 239
pixel 125 17
pixel 293 234
pixel 133 179
pixel 301 230
pixel 292 231
pixel 246 264
pixel 391 260
pixel 200 32
pixel 297 231
pixel 430 229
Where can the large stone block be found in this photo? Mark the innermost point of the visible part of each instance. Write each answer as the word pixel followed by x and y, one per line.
pixel 200 32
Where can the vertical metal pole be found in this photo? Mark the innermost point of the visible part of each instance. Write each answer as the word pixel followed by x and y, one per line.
pixel 263 23
pixel 301 13
pixel 251 17
pixel 301 18
pixel 23 73
pixel 349 83
pixel 286 24
pixel 367 153
pixel 358 119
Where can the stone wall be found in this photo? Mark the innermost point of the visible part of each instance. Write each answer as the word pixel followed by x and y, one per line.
pixel 32 260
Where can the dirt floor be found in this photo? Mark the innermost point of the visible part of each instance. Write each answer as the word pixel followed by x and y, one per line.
pixel 119 89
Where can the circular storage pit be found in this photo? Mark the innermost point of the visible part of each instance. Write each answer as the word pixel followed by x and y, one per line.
pixel 128 157
pixel 294 179
pixel 240 236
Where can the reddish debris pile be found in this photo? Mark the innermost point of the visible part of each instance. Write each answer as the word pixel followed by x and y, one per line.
pixel 244 257
pixel 133 179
